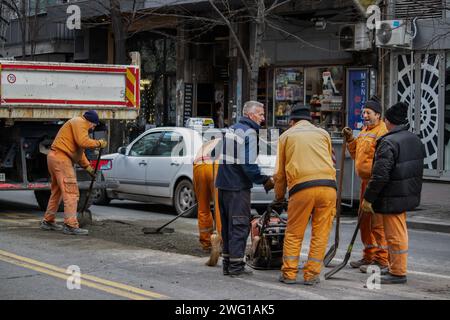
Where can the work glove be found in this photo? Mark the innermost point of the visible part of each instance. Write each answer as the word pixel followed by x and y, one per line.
pixel 348 134
pixel 103 144
pixel 366 206
pixel 91 171
pixel 269 184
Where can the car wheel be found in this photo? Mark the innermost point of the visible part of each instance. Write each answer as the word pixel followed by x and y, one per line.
pixel 184 199
pixel 100 197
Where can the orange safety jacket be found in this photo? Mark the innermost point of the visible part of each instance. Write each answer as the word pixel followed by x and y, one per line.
pixel 362 149
pixel 304 159
pixel 73 138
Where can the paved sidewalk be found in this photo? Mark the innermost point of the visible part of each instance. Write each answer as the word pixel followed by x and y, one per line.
pixel 433 214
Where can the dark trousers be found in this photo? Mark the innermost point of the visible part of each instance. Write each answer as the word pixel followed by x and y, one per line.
pixel 235 214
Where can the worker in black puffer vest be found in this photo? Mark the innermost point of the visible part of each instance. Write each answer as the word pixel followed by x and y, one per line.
pixel 395 187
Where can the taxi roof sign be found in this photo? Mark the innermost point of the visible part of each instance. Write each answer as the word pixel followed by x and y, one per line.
pixel 200 122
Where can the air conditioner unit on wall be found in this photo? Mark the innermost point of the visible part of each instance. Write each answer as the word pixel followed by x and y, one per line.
pixel 355 37
pixel 393 33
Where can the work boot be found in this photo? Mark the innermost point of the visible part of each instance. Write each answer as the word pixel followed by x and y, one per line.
pixel 383 269
pixel 225 270
pixel 225 266
pixel 286 280
pixel 47 226
pixel 312 281
pixel 242 272
pixel 359 263
pixel 392 279
pixel 75 231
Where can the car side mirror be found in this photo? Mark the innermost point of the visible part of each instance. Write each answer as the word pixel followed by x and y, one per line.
pixel 122 150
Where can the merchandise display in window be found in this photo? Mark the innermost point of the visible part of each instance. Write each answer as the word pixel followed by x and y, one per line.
pixel 289 90
pixel 324 93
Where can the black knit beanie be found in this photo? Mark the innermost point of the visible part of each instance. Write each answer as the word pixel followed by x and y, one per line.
pixel 91 116
pixel 397 114
pixel 374 104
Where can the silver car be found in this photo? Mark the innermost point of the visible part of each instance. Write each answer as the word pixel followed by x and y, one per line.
pixel 157 167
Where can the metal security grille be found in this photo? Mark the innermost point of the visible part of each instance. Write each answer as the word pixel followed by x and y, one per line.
pixel 422 9
pixel 427 127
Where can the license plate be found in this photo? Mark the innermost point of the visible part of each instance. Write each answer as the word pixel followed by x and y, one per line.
pixel 2 177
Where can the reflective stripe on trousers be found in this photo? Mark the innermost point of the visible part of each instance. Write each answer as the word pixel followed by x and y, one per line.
pixel 397 239
pixel 319 203
pixel 235 216
pixel 372 235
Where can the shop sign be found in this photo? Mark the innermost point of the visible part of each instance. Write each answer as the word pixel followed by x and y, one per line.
pixel 188 101
pixel 357 96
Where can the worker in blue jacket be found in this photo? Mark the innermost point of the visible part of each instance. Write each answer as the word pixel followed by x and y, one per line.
pixel 238 171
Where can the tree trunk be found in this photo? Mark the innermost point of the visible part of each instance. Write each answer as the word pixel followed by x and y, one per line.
pixel 259 33
pixel 34 30
pixel 118 128
pixel 119 32
pixel 23 27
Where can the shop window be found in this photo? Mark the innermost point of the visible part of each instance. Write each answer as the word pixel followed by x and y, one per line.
pixel 324 93
pixel 289 90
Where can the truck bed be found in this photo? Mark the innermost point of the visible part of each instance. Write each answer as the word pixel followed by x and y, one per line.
pixel 37 90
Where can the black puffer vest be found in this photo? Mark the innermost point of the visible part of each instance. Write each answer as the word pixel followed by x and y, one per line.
pixel 396 181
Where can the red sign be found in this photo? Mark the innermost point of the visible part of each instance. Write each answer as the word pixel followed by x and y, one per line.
pixel 11 78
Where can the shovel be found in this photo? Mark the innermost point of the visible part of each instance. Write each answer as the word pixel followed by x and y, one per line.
pixel 84 217
pixel 163 229
pixel 333 249
pixel 341 266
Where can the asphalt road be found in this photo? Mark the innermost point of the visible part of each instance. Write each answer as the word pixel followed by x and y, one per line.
pixel 33 263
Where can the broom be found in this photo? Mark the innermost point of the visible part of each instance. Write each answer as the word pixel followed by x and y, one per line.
pixel 215 237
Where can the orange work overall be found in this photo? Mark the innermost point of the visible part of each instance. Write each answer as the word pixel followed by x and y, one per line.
pixel 204 191
pixel 63 186
pixel 373 235
pixel 319 203
pixel 397 241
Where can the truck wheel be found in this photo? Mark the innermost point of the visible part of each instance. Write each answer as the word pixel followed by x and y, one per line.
pixel 42 197
pixel 184 198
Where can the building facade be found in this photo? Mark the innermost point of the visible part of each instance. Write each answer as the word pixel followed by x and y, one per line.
pixel 319 53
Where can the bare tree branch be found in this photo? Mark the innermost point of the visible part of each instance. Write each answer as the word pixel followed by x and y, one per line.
pixel 233 34
pixel 276 5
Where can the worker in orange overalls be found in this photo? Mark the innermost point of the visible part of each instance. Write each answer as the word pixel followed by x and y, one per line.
pixel 67 149
pixel 205 171
pixel 362 150
pixel 305 166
